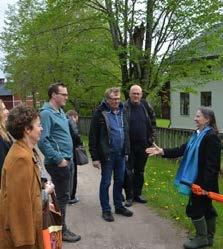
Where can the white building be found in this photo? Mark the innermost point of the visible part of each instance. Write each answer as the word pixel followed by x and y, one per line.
pixel 184 104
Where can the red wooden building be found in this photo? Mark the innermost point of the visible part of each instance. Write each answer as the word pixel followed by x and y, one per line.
pixel 11 100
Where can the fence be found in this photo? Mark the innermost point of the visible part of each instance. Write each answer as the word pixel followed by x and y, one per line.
pixel 84 125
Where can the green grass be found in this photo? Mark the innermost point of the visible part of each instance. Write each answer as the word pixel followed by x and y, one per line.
pixel 164 123
pixel 162 196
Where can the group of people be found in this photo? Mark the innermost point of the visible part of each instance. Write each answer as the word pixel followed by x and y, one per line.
pixel 121 137
pixel 25 186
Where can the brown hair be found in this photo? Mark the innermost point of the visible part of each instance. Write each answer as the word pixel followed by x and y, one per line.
pixel 53 88
pixel 208 113
pixel 19 118
pixel 71 113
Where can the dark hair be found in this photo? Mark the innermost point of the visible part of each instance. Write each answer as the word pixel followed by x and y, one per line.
pixel 208 113
pixel 71 113
pixel 54 88
pixel 19 118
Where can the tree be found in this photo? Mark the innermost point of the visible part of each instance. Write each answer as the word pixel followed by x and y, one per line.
pixel 146 33
pixel 59 40
pixel 94 44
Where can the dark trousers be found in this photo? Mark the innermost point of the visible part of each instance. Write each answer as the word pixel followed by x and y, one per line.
pixel 115 164
pixel 134 174
pixel 60 177
pixel 74 188
pixel 199 206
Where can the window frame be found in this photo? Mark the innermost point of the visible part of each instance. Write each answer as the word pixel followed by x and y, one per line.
pixel 204 104
pixel 184 104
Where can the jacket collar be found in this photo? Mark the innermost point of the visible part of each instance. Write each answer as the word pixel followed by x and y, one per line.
pixel 22 144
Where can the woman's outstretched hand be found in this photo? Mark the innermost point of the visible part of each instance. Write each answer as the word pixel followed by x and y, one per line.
pixel 154 150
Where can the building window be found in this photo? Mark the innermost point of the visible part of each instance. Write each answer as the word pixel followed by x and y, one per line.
pixel 184 103
pixel 206 98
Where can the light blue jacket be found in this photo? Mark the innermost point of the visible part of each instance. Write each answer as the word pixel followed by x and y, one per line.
pixel 55 141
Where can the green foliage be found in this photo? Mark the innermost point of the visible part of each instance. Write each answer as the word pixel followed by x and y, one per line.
pixel 59 40
pixel 146 33
pixel 92 45
pixel 162 196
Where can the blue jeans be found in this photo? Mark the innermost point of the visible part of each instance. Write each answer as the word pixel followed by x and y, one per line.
pixel 116 163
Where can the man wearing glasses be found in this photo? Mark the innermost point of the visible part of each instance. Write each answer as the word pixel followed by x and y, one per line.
pixel 109 148
pixel 142 123
pixel 57 146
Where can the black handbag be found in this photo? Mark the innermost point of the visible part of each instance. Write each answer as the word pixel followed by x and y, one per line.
pixel 81 155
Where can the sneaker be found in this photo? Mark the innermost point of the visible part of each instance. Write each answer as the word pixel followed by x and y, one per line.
pixel 139 199
pixel 123 211
pixel 73 201
pixel 128 203
pixel 107 216
pixel 69 236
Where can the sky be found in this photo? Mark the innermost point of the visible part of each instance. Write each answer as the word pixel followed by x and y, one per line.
pixel 3 8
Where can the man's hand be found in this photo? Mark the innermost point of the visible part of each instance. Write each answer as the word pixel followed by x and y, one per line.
pixel 63 163
pixel 96 164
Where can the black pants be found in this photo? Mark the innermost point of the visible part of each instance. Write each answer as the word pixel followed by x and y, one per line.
pixel 199 206
pixel 60 177
pixel 73 192
pixel 134 175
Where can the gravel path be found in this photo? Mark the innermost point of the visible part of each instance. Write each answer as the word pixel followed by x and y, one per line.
pixel 144 230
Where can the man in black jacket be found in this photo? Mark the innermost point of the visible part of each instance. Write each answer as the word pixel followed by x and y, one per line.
pixel 109 148
pixel 142 123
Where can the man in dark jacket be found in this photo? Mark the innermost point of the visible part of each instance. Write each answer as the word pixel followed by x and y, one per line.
pixel 142 123
pixel 109 148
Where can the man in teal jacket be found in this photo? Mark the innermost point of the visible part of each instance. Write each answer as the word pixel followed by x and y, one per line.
pixel 57 146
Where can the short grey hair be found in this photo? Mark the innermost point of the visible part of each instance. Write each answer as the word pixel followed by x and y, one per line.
pixel 111 90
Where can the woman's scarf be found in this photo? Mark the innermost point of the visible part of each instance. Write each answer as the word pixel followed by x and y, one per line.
pixel 188 170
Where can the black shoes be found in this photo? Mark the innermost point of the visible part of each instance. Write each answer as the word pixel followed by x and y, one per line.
pixel 128 202
pixel 124 211
pixel 73 201
pixel 69 236
pixel 139 199
pixel 107 216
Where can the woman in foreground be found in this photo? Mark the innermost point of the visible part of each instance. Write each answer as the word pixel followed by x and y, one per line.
pixel 20 196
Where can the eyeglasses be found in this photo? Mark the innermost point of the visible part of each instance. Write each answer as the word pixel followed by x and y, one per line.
pixel 114 99
pixel 63 94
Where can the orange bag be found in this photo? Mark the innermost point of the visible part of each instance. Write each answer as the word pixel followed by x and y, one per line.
pixel 196 189
pixel 52 225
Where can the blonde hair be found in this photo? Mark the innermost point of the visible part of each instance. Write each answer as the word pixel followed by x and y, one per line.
pixel 3 132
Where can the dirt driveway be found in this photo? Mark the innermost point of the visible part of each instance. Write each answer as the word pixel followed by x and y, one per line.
pixel 144 230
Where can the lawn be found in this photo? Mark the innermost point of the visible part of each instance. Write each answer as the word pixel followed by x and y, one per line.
pixel 163 123
pixel 159 190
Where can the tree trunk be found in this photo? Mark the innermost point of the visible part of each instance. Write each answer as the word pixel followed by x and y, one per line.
pixel 34 99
